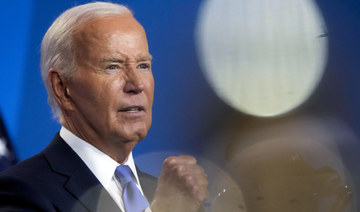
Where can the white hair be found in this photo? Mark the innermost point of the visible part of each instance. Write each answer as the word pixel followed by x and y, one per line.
pixel 57 48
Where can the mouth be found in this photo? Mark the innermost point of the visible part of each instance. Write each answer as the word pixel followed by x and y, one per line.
pixel 133 109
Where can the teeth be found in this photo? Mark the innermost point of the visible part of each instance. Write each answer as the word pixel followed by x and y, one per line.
pixel 133 109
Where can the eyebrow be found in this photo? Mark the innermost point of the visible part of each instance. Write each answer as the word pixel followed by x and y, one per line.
pixel 146 58
pixel 112 59
pixel 122 60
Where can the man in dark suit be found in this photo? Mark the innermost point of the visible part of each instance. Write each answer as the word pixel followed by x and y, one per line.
pixel 96 67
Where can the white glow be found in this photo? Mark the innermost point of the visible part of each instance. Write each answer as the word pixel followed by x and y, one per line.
pixel 3 149
pixel 262 57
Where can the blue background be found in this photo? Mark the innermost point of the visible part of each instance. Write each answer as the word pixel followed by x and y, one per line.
pixel 186 110
pixel 182 95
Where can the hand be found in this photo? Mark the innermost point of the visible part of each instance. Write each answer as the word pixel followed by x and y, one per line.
pixel 182 186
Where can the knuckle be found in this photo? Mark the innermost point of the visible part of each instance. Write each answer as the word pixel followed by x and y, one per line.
pixel 189 180
pixel 188 159
pixel 200 193
pixel 180 169
pixel 169 161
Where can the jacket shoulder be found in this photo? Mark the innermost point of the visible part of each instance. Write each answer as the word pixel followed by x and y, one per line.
pixel 17 195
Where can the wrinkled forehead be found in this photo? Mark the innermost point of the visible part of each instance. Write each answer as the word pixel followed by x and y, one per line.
pixel 107 25
pixel 103 34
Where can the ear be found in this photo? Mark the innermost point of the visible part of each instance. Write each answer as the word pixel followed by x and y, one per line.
pixel 60 90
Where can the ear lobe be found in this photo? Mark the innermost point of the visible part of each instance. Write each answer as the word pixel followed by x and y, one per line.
pixel 60 90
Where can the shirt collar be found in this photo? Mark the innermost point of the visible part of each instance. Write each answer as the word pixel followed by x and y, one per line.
pixel 100 164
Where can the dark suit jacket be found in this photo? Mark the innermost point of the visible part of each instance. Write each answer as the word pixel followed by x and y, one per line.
pixel 58 180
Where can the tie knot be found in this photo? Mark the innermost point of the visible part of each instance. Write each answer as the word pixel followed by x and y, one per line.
pixel 124 174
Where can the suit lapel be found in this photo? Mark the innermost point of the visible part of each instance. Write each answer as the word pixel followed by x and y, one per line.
pixel 148 184
pixel 81 183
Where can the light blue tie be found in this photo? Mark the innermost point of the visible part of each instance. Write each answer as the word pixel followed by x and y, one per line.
pixel 133 199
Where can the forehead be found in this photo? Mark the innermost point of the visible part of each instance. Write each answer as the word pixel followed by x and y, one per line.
pixel 110 34
pixel 124 22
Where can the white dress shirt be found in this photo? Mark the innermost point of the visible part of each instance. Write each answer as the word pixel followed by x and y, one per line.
pixel 101 165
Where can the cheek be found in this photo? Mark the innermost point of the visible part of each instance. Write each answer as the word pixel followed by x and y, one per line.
pixel 112 89
pixel 91 92
pixel 81 93
pixel 150 87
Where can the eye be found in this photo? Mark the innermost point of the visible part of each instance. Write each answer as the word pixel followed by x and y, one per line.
pixel 144 66
pixel 112 67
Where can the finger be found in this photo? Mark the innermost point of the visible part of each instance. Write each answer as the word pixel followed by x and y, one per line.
pixel 192 169
pixel 200 194
pixel 182 159
pixel 185 172
pixel 197 187
pixel 180 165
pixel 195 181
pixel 187 159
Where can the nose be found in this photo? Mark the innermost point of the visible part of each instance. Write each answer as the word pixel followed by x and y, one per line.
pixel 134 83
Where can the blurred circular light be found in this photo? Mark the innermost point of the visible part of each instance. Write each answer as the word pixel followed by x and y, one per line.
pixel 262 57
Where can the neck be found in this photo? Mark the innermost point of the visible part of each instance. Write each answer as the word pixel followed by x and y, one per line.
pixel 114 148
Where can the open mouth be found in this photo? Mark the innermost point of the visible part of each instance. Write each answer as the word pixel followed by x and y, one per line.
pixel 132 109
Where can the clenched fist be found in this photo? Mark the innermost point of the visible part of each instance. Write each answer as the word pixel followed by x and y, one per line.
pixel 182 186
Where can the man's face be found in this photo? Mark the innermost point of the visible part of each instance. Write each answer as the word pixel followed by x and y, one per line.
pixel 112 89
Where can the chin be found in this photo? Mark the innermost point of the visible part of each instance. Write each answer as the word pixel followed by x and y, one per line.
pixel 141 135
pixel 133 136
pixel 132 133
